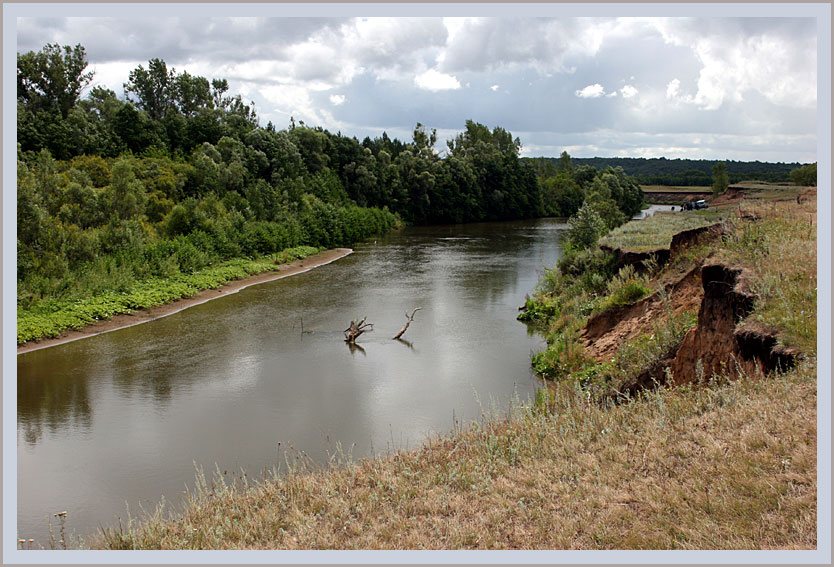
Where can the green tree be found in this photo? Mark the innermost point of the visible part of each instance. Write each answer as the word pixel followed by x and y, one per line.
pixel 192 93
pixel 585 227
pixel 562 195
pixel 53 78
pixel 424 141
pixel 153 89
pixel 565 163
pixel 126 193
pixel 135 130
pixel 720 180
pixel 805 175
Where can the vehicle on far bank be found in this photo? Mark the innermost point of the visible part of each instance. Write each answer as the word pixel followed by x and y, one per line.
pixel 699 204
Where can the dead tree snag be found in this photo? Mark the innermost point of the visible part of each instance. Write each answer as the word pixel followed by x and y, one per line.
pixel 352 333
pixel 407 323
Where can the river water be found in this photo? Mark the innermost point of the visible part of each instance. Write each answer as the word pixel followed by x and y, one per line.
pixel 115 422
pixel 652 209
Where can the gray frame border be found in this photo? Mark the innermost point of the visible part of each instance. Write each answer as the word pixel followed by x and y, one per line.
pixel 822 11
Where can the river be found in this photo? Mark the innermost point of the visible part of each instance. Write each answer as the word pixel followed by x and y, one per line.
pixel 115 422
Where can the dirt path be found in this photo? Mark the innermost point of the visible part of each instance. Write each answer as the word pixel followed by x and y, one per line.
pixel 145 315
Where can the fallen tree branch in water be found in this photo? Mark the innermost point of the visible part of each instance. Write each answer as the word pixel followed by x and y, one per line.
pixel 356 329
pixel 407 323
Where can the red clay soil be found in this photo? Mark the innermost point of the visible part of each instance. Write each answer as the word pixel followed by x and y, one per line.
pixel 721 347
pixel 716 346
pixel 145 315
pixel 727 299
pixel 606 332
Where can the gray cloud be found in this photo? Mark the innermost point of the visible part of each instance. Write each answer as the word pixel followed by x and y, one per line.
pixel 176 39
pixel 491 44
pixel 392 44
pixel 743 83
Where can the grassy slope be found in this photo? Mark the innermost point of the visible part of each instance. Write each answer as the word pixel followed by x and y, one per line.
pixel 726 465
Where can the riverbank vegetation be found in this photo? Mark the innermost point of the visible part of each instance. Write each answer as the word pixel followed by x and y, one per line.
pixel 657 230
pixel 51 317
pixel 774 242
pixel 180 177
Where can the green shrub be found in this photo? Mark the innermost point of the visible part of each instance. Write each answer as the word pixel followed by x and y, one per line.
pixel 626 288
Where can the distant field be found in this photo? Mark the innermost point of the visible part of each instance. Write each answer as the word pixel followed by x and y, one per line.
pixel 761 191
pixel 762 185
pixel 675 189
pixel 657 230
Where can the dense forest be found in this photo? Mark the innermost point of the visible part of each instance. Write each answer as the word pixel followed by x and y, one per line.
pixel 179 175
pixel 662 171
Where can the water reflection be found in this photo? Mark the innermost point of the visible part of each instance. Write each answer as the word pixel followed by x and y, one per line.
pixel 55 402
pixel 124 417
pixel 354 348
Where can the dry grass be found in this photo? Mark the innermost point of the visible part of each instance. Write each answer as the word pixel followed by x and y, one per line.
pixel 768 191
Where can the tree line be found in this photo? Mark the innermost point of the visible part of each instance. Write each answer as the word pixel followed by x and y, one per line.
pixel 683 172
pixel 180 174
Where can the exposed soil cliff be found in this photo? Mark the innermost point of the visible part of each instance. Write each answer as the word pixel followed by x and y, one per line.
pixel 629 257
pixel 716 345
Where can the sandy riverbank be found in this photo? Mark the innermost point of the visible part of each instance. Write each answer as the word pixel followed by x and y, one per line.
pixel 145 315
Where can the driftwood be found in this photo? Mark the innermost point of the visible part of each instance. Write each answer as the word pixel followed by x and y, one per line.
pixel 407 323
pixel 356 329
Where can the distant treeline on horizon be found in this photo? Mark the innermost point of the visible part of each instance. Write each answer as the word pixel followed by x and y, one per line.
pixel 663 171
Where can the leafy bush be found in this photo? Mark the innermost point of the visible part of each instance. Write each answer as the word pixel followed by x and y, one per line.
pixel 585 227
pixel 626 288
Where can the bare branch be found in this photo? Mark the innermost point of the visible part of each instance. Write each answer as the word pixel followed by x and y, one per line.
pixel 356 329
pixel 407 323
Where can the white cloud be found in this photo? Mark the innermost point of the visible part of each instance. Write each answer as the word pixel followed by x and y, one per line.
pixel 591 91
pixel 111 75
pixel 673 88
pixel 392 47
pixel 771 59
pixel 337 99
pixel 628 91
pixel 294 100
pixel 494 88
pixel 612 94
pixel 433 80
pixel 544 44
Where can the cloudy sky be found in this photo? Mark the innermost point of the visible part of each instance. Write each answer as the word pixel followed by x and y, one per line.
pixel 713 88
